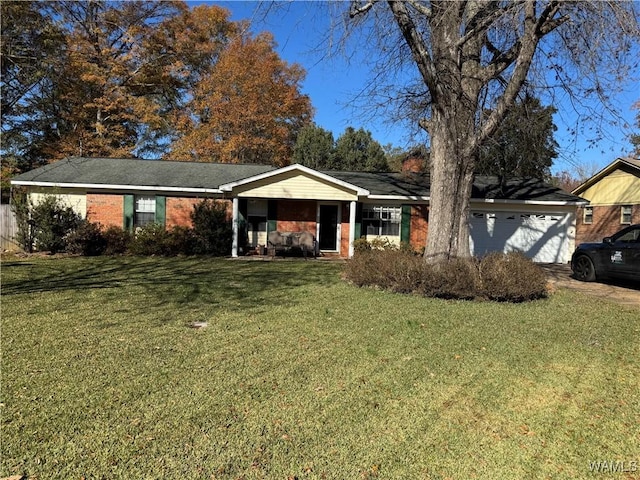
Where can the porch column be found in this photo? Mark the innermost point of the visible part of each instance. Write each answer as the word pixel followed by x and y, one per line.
pixel 234 241
pixel 352 226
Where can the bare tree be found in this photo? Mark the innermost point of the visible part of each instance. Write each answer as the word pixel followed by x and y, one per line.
pixel 473 56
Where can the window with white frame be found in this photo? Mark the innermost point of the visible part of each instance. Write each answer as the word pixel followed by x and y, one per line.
pixel 587 216
pixel 381 220
pixel 145 210
pixel 625 214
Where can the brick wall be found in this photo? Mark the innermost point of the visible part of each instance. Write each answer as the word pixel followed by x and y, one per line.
pixel 606 222
pixel 344 231
pixel 107 210
pixel 297 216
pixel 419 226
pixel 178 211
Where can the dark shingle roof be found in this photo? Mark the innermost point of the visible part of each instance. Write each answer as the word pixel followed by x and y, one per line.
pixel 190 175
pixel 135 172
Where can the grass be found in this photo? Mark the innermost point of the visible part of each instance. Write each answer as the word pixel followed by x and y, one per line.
pixel 300 375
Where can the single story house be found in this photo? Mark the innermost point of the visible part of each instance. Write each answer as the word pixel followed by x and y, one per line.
pixel 337 207
pixel 614 200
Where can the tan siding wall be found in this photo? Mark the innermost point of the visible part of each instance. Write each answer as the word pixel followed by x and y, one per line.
pixel 618 187
pixel 295 185
pixel 76 199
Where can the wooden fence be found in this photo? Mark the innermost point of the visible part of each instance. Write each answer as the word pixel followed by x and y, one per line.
pixel 8 228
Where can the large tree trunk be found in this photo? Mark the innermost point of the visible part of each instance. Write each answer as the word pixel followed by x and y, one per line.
pixel 451 184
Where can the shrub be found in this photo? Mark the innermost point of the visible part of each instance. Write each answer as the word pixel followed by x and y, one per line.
pixel 87 240
pixel 45 226
pixel 499 277
pixel 511 277
pixel 151 239
pixel 457 278
pixel 116 240
pixel 212 228
pixel 180 241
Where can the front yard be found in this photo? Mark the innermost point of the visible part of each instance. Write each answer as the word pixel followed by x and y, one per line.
pixel 299 375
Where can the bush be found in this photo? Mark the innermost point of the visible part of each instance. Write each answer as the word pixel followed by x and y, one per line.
pixel 511 277
pixel 152 239
pixel 456 279
pixel 116 240
pixel 87 240
pixel 507 278
pixel 180 241
pixel 45 226
pixel 211 228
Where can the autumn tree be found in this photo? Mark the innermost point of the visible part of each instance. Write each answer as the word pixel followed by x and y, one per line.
pixel 464 58
pixel 98 78
pixel 314 148
pixel 523 145
pixel 247 109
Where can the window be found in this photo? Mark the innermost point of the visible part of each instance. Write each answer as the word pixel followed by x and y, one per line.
pixel 625 214
pixel 381 220
pixel 145 211
pixel 587 215
pixel 632 236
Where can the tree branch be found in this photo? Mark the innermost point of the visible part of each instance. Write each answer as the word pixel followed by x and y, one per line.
pixel 416 44
pixel 357 8
pixel 420 8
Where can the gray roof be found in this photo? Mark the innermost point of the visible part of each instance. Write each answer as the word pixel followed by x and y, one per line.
pixel 125 172
pixel 135 172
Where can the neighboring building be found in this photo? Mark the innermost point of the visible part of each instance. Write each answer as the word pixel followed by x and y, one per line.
pixel 337 207
pixel 614 201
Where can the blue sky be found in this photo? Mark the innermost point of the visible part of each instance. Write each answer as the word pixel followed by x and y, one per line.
pixel 332 84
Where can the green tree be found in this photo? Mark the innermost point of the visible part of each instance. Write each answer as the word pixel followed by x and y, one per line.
pixel 523 145
pixel 314 148
pixel 357 151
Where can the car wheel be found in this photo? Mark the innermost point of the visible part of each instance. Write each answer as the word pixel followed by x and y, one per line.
pixel 583 269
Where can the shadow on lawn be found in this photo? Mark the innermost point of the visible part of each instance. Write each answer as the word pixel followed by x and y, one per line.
pixel 202 280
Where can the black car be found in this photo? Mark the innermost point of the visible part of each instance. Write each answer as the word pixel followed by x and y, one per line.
pixel 617 256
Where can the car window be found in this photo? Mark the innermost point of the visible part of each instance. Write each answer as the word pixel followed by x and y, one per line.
pixel 632 236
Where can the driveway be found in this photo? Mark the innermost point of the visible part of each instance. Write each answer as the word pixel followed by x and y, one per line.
pixel 620 292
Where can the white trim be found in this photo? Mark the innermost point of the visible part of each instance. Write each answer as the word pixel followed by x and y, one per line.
pixel 527 202
pixel 234 216
pixel 227 187
pixel 352 227
pixel 400 197
pixel 100 186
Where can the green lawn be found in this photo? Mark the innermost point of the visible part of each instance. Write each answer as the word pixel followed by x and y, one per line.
pixel 299 375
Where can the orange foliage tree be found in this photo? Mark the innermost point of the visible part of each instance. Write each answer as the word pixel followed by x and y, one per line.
pixel 247 109
pixel 133 78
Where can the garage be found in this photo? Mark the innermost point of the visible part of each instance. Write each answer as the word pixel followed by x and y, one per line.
pixel 541 236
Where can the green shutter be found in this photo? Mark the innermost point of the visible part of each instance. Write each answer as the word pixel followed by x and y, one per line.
pixel 358 228
pixel 272 216
pixel 161 209
pixel 128 212
pixel 405 225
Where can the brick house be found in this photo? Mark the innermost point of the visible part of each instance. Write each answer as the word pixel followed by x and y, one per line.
pixel 336 207
pixel 614 201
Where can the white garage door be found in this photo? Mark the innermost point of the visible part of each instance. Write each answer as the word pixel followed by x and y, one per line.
pixel 542 237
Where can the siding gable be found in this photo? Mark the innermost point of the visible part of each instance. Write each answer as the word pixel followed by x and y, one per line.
pixel 295 185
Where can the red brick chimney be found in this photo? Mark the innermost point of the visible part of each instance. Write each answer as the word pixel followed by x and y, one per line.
pixel 413 164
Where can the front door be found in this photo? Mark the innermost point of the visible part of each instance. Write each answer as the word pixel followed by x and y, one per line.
pixel 328 227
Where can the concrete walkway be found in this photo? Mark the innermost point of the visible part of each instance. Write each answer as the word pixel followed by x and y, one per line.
pixel 625 293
